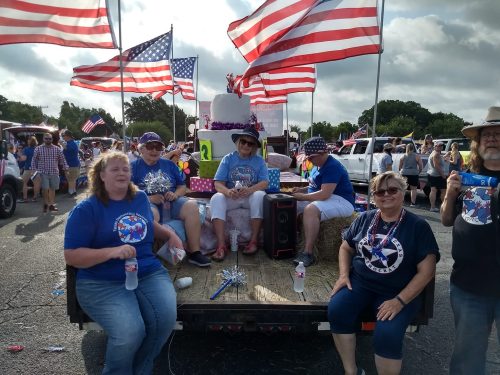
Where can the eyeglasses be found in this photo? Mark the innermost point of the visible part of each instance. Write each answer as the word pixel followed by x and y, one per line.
pixel 390 191
pixel 244 142
pixel 154 146
pixel 495 135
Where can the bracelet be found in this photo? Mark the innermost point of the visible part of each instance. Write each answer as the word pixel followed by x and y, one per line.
pixel 401 301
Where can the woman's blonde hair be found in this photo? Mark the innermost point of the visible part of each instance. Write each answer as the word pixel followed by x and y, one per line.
pixel 475 160
pixel 410 148
pixel 96 184
pixel 378 180
pixel 32 142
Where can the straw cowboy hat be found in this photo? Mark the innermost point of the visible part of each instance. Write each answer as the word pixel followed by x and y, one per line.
pixel 388 146
pixel 492 119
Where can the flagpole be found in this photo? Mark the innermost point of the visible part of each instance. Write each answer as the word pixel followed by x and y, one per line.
pixel 312 111
pixel 173 83
pixel 196 106
pixel 376 100
pixel 287 129
pixel 121 74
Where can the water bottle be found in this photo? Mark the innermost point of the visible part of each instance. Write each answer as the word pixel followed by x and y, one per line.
pixel 298 280
pixel 238 186
pixel 131 268
pixel 166 212
pixel 472 179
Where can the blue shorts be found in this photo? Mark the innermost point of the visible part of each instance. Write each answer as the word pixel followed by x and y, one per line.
pixel 346 306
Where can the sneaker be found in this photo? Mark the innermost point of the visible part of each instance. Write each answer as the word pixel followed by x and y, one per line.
pixel 22 200
pixel 435 209
pixel 72 195
pixel 307 259
pixel 199 259
pixel 53 207
pixel 413 205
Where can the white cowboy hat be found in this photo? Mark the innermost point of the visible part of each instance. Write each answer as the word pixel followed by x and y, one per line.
pixel 492 119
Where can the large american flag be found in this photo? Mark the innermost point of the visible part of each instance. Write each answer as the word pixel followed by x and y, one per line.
pixel 289 80
pixel 257 92
pixel 92 122
pixel 182 72
pixel 146 68
pixel 283 33
pixel 358 133
pixel 75 23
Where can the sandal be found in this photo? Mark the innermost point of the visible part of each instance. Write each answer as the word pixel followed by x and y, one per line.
pixel 251 248
pixel 220 253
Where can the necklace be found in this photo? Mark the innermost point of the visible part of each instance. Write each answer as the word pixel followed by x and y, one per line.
pixel 372 234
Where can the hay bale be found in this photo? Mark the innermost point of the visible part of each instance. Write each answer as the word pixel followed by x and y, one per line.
pixel 261 293
pixel 329 237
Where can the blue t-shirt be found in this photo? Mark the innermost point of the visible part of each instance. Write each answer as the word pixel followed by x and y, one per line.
pixel 28 152
pixel 71 154
pixel 20 163
pixel 249 171
pixel 412 242
pixel 332 172
pixel 95 225
pixel 148 177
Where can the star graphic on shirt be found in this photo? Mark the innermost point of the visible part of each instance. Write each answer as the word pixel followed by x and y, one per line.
pixel 385 250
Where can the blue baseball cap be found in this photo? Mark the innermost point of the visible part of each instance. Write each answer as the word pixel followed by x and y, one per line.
pixel 150 137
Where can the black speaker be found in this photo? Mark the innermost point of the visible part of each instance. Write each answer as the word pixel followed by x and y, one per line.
pixel 280 225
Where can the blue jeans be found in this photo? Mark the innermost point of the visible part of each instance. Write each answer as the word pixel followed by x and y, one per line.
pixel 137 323
pixel 346 306
pixel 474 316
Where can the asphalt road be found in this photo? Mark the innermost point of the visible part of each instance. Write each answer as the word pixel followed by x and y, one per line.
pixel 33 314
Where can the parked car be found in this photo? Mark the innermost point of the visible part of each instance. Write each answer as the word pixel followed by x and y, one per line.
pixel 11 183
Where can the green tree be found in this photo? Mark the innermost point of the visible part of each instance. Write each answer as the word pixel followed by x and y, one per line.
pixel 446 125
pixel 344 130
pixel 73 117
pixel 323 129
pixel 137 129
pixel 399 126
pixel 147 109
pixel 20 112
pixel 389 109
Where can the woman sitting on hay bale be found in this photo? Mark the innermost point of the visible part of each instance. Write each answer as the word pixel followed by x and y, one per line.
pixel 330 194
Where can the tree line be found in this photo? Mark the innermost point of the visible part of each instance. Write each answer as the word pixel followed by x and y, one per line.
pixel 143 113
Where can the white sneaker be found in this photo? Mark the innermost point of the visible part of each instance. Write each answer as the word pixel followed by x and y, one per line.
pixel 435 209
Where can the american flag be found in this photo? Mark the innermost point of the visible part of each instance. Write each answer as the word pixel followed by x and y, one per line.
pixel 146 68
pixel 182 71
pixel 283 33
pixel 358 133
pixel 289 80
pixel 92 122
pixel 257 92
pixel 75 23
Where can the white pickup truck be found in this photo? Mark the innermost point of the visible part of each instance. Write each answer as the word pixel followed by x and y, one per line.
pixel 356 158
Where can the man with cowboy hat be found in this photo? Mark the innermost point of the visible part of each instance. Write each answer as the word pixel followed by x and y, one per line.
pixel 475 278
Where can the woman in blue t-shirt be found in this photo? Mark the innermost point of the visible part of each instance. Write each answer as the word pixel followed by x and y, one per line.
pixel 241 180
pixel 113 224
pixel 387 258
pixel 329 194
pixel 28 171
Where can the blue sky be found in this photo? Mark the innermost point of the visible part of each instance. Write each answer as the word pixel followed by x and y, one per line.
pixel 443 54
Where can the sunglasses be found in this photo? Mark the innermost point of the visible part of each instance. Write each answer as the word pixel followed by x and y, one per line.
pixel 154 146
pixel 390 191
pixel 244 142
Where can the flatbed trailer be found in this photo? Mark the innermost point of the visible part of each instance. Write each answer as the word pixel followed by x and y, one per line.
pixel 266 303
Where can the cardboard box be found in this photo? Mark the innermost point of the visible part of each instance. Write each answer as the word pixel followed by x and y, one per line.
pixel 202 184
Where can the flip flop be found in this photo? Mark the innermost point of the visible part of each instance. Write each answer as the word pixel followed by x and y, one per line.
pixel 251 248
pixel 220 253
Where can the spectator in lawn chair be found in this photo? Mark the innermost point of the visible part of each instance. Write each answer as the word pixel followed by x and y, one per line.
pixel 162 182
pixel 241 180
pixel 329 194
